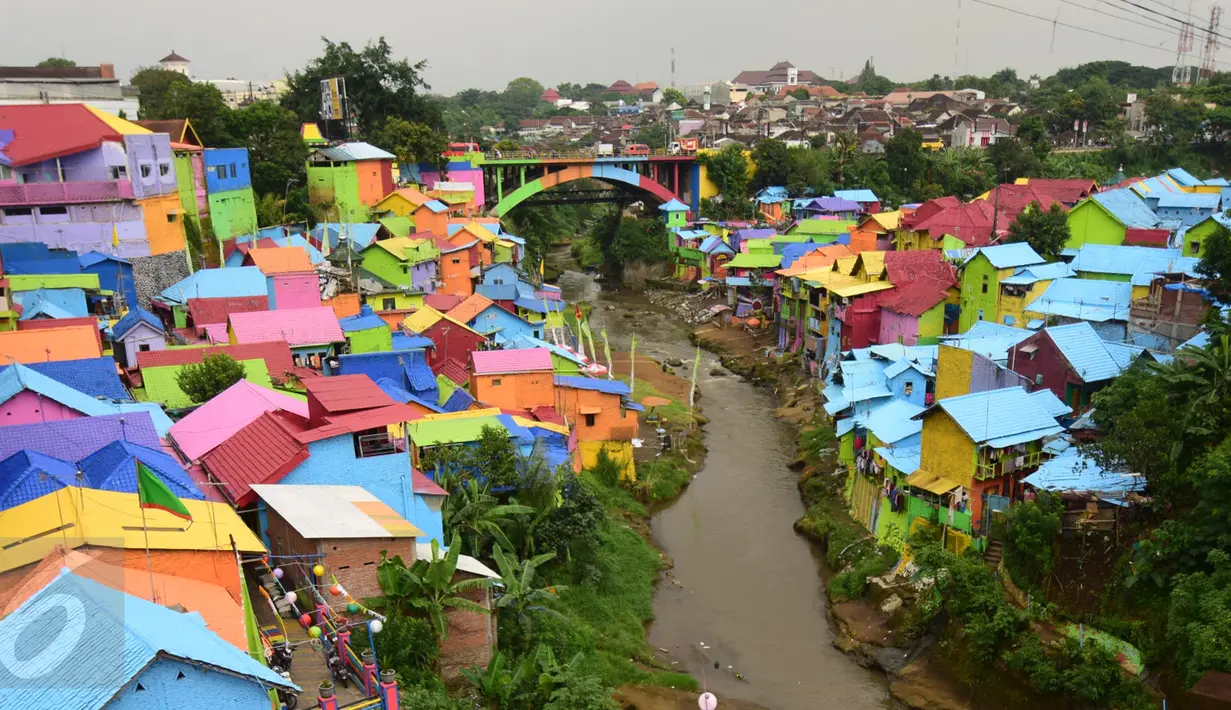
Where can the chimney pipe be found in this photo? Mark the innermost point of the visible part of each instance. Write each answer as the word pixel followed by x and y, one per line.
pixel 106 71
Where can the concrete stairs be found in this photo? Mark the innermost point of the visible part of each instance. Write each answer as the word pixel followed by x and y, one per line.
pixel 993 555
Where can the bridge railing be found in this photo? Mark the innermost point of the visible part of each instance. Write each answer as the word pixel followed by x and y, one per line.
pixel 582 154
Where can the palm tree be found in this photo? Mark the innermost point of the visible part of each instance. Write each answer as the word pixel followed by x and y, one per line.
pixel 519 596
pixel 1202 380
pixel 475 514
pixel 427 587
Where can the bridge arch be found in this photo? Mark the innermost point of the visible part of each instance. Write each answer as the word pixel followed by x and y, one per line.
pixel 606 173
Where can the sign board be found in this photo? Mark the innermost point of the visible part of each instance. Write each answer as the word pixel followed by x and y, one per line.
pixel 331 98
pixel 677 115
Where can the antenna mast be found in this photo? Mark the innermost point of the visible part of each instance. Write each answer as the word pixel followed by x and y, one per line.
pixel 1208 61
pixel 673 67
pixel 1181 74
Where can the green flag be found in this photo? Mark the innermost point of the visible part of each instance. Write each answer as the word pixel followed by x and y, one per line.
pixel 607 352
pixel 153 493
pixel 632 365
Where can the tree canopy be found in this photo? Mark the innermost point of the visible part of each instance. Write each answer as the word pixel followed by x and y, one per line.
pixel 56 63
pixel 210 377
pixel 1045 230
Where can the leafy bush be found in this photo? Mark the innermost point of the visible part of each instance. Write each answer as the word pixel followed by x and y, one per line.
pixel 1030 531
pixel 851 583
pixel 813 441
pixel 1199 623
pixel 583 693
pixel 432 697
pixel 208 378
pixel 661 481
pixel 969 592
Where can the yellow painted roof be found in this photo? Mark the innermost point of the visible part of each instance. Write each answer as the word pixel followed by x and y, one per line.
pixel 859 288
pixel 117 124
pixel 873 261
pixel 397 246
pixel 479 232
pixel 426 317
pixel 468 414
pixel 931 482
pixel 311 132
pixel 889 220
pixel 845 265
pixel 72 517
pixel 558 428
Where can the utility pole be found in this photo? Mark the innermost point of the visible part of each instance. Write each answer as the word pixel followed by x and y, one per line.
pixel 1181 74
pixel 1208 62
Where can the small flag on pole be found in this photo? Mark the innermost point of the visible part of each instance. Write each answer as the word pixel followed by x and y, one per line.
pixel 607 352
pixel 115 235
pixel 153 493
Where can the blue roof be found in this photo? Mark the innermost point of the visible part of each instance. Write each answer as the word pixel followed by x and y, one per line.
pixel 1139 263
pixel 896 351
pixel 1052 404
pixel 1027 275
pixel 1000 417
pixel 1188 200
pixel 52 302
pixel 1183 177
pixel 91 258
pixel 95 376
pixel 857 195
pixel 366 319
pixel 1008 256
pixel 459 401
pixel 772 195
pixel 693 234
pixel 892 422
pixel 904 455
pixel 418 374
pixel 525 341
pixel 673 205
pixel 395 392
pixel 74 439
pixel 360 234
pixel 712 244
pixel 1071 471
pixel 216 283
pixel 37 258
pixel 497 292
pixel 408 368
pixel 1085 351
pixel 863 380
pixel 1200 340
pixel 27 475
pixel 594 384
pixel 1217 182
pixel 406 341
pixel 16 378
pixel 991 340
pixel 136 315
pixel 107 638
pixel 354 150
pixel 1127 207
pixel 738 281
pixel 1125 354
pixel 535 305
pixel 1085 299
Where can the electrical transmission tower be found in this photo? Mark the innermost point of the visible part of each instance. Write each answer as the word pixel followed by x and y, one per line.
pixel 1208 57
pixel 1181 74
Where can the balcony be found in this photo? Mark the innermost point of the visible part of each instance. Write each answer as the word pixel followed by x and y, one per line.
pixel 1007 464
pixel 62 193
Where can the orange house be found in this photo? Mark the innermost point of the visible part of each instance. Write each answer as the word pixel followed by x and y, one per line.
pixel 454 272
pixel 512 379
pixel 429 215
pixel 164 226
pixel 481 239
pixel 596 408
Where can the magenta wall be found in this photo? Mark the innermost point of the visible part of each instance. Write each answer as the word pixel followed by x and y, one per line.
pixel 894 325
pixel 30 408
pixel 470 175
pixel 294 291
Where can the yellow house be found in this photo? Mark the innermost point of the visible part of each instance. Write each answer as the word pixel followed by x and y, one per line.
pixel 1023 287
pixel 870 266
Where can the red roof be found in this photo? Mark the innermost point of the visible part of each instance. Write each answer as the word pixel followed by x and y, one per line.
pixel 276 354
pixel 972 223
pixel 905 267
pixel 46 131
pixel 443 302
pixel 453 370
pixel 547 414
pixel 262 452
pixel 204 311
pixel 297 326
pixel 495 362
pixel 343 393
pixel 929 209
pixel 424 486
pixel 916 297
pixel 355 422
pixel 1012 199
pixel 1066 191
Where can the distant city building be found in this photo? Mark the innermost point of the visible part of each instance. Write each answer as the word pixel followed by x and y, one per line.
pixel 780 75
pixel 96 85
pixel 176 63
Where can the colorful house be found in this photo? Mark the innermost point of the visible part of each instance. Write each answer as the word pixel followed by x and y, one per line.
pixel 290 279
pixel 1109 218
pixel 275 354
pixel 366 332
pixel 981 276
pixel 313 334
pixel 228 182
pixel 428 214
pixel 208 316
pixel 865 198
pixel 49 345
pixel 454 340
pixel 1137 265
pixel 675 214
pixel 947 223
pixel 408 262
pixel 161 383
pixel 406 370
pixel 1197 236
pixel 455 266
pixel 512 379
pixel 239 282
pixel 114 275
pixel 494 322
pixel 1072 361
pixel 351 177
pixel 1025 286
pixel 96 377
pixel 29 397
pixel 139 331
pixel 914 314
pixel 1103 304
pixel 603 417
pixel 215 421
pixel 189 164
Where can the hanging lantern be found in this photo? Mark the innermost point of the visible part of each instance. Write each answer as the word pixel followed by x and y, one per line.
pixel 375 626
pixel 291 597
pixel 278 573
pixel 319 571
pixel 335 590
pixel 315 632
pixel 305 620
pixel 353 608
pixel 707 701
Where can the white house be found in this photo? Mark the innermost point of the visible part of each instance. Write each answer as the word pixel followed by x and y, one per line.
pixel 980 132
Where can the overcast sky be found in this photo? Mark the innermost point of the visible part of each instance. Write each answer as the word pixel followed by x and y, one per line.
pixel 494 41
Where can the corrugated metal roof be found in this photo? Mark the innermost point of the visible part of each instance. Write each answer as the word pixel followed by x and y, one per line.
pixel 1183 177
pixel 95 377
pixel 494 362
pixel 296 326
pixel 861 195
pixel 234 408
pixel 356 150
pixel 991 340
pixel 592 383
pixel 893 421
pixel 406 341
pixel 204 311
pixel 1084 350
pixel 345 393
pixel 997 416
pixel 216 283
pixel 325 511
pixel 1070 471
pixel 755 260
pixel 74 439
pixel 1085 299
pixel 1188 200
pixel 470 308
pixel 1008 256
pixel 1028 275
pixel 263 451
pixel 1052 404
pixel 1135 262
pixel 1127 207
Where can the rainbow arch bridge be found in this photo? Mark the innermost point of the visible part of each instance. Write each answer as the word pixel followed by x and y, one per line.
pixel 512 179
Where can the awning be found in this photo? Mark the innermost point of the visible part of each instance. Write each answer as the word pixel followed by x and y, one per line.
pixel 931 482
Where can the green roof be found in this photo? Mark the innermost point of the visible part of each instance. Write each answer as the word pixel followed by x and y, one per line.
pixel 755 261
pixel 758 245
pixel 161 387
pixel 822 226
pixel 30 282
pixel 398 226
pixel 447 387
pixel 434 432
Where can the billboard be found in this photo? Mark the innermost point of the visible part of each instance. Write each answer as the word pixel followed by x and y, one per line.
pixel 332 91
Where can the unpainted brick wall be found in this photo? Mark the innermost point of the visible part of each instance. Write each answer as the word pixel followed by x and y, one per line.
pixel 471 635
pixel 154 274
pixel 354 561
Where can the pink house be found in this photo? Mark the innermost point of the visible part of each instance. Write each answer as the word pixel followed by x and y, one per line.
pixel 290 280
pixel 217 420
pixel 37 399
pixel 312 333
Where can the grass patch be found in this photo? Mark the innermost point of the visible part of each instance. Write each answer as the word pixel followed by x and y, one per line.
pixel 587 251
pixel 660 481
pixel 674 413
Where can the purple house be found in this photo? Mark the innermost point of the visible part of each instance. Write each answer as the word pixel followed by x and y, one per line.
pixel 74 178
pixel 815 207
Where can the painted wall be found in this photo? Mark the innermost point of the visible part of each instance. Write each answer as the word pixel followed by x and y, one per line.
pixel 226 169
pixel 372 340
pixel 332 462
pixel 898 328
pixel 375 180
pixel 423 276
pixel 458 172
pixel 86 166
pixel 519 390
pixel 621 452
pixel 455 274
pixel 909 386
pixel 386 266
pixel 1089 223
pixel 612 423
pixel 164 226
pixel 1195 238
pixel 947 449
pixel 83 229
pixel 232 213
pixel 494 319
pixel 141 334
pixel 456 343
pixel 1012 309
pixel 953 370
pixel 426 517
pixel 162 687
pixel 932 325
pixel 428 221
pixel 151 165
pixel 185 186
pixel 293 290
pixel 113 276
pixel 32 408
pixel 980 291
pixel 1047 363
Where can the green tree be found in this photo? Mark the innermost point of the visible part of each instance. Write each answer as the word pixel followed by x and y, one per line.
pixel 801 94
pixel 1172 122
pixel 56 63
pixel 1199 621
pixel 674 96
pixel 208 378
pixel 905 160
pixel 427 587
pixel 377 86
pixel 582 693
pixel 270 209
pixel 1215 264
pixel 637 241
pixel 772 160
pixel 1046 231
pixel 1012 160
pixel 276 151
pixel 654 135
pixel 413 143
pixel 496 684
pixel 520 600
pixel 153 84
pixel 204 106
pixel 728 169
pixel 494 457
pixel 474 516
pixel 519 99
pixel 1030 531
pixel 808 172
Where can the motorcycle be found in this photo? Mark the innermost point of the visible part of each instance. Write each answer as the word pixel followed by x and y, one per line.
pixel 337 664
pixel 288 698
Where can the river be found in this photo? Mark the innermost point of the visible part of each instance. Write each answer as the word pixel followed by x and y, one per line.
pixel 746 593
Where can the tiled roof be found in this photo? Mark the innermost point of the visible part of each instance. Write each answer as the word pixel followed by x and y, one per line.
pixel 494 362
pixel 1129 209
pixel 468 309
pixel 972 223
pixel 1000 417
pixel 594 384
pixel 280 260
pixel 360 421
pixel 424 486
pixel 74 439
pixel 47 131
pixel 26 475
pixel 16 378
pixel 51 344
pixel 916 297
pixel 398 394
pixel 454 371
pixel 345 393
pixel 128 322
pixel 1064 190
pixel 114 468
pixel 204 311
pixel 95 377
pixel 1085 351
pixel 1013 199
pixel 215 421
pixel 264 451
pixel 459 401
pixel 120 636
pixel 276 354
pixel 443 302
pixel 295 326
pixel 216 283
pixel 906 266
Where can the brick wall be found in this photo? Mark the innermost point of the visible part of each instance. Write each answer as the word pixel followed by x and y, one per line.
pixel 154 274
pixel 471 636
pixel 354 561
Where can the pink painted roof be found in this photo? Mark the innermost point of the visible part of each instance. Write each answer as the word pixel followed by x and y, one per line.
pixel 218 419
pixel 216 333
pixel 494 362
pixel 424 486
pixel 297 326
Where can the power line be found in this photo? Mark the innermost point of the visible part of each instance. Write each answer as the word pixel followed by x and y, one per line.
pixel 1169 6
pixel 1176 20
pixel 1150 24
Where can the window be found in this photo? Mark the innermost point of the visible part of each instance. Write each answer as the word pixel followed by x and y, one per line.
pixel 373 442
pixel 590 419
pixel 1194 247
pixel 388 304
pixel 457 260
pixel 908 389
pixel 233 173
pixel 43 211
pixel 980 314
pixel 985 287
pixel 495 382
pixel 18 211
pixel 6 173
pixel 144 347
pixel 145 171
pixel 164 169
pixel 171 217
pixel 119 172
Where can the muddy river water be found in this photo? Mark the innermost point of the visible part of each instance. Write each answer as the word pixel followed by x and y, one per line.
pixel 744 594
